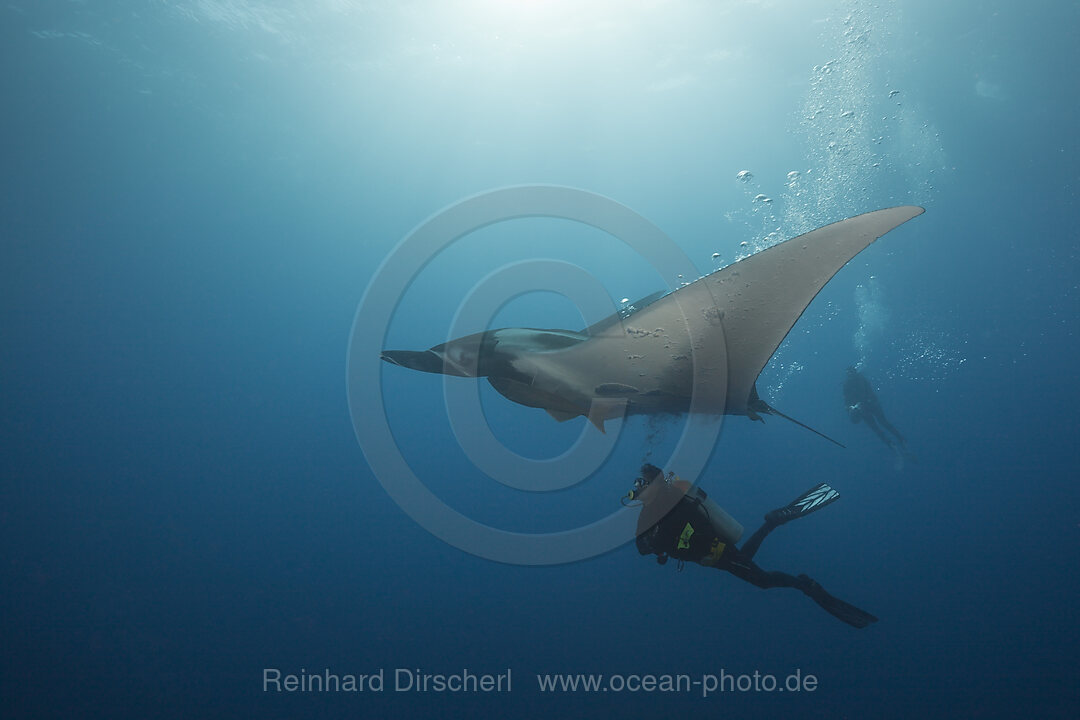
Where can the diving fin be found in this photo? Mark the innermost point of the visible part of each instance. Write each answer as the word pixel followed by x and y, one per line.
pixel 836 607
pixel 813 499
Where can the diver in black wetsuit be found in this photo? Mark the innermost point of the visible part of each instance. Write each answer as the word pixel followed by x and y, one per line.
pixel 863 406
pixel 679 521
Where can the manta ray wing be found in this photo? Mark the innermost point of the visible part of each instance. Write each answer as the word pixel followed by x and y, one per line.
pixel 755 301
pixel 697 349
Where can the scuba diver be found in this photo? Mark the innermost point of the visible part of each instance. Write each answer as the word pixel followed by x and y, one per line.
pixel 863 406
pixel 679 521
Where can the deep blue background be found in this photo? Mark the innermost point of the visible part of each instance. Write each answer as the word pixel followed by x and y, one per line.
pixel 194 195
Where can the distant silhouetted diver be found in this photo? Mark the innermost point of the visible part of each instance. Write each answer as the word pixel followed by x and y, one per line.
pixel 863 406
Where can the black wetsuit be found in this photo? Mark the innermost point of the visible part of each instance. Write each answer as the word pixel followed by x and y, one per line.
pixel 686 534
pixel 668 538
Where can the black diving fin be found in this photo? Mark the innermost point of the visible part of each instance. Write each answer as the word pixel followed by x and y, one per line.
pixel 810 501
pixel 845 612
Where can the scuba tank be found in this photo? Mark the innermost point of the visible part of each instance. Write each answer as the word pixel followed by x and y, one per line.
pixel 727 528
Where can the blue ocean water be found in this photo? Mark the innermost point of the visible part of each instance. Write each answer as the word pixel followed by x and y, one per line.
pixel 197 194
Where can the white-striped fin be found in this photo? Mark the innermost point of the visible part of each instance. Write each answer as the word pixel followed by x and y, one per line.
pixel 820 496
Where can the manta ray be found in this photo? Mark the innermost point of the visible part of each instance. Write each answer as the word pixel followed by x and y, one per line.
pixel 698 349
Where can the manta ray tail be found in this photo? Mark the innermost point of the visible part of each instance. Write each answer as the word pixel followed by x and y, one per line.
pixel 756 405
pixel 773 411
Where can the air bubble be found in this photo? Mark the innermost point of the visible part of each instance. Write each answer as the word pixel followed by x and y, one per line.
pixel 744 176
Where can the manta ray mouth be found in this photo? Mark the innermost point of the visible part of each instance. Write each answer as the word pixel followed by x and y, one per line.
pixel 423 360
pixel 430 361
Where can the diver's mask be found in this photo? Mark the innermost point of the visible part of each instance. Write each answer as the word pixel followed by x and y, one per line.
pixel 641 483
